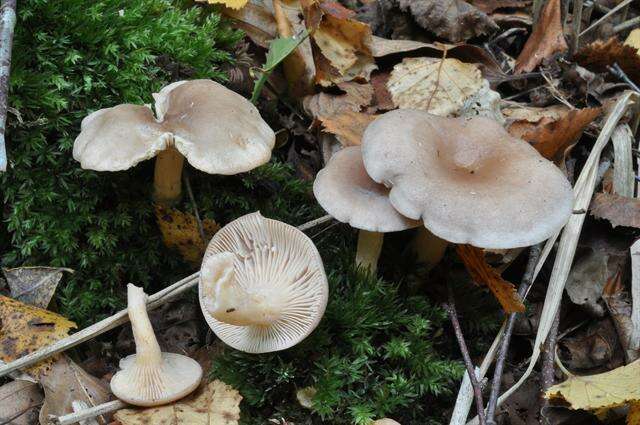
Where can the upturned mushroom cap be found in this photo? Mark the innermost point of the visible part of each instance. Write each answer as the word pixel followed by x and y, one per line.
pixel 216 129
pixel 468 180
pixel 345 190
pixel 150 377
pixel 262 286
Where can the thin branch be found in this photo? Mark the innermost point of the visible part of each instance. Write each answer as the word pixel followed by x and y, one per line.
pixel 619 72
pixel 450 307
pixel 623 26
pixel 548 361
pixel 525 285
pixel 575 28
pixel 8 23
pixel 606 16
pixel 89 413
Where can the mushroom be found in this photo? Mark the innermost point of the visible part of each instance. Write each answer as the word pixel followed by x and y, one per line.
pixel 262 285
pixel 216 130
pixel 150 377
pixel 345 191
pixel 469 180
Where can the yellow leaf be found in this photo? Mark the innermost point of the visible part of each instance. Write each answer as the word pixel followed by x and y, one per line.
pixel 438 86
pixel 25 329
pixel 633 417
pixel 633 39
pixel 609 389
pixel 180 232
pixel 233 4
pixel 216 403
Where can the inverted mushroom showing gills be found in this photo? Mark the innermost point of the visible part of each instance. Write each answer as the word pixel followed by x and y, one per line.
pixel 345 190
pixel 469 180
pixel 262 285
pixel 150 377
pixel 216 130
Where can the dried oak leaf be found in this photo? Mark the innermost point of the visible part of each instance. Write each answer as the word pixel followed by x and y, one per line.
pixel 25 328
pixel 555 139
pixel 180 232
pixel 485 275
pixel 438 86
pixel 598 55
pixel 618 210
pixel 215 403
pixel 546 39
pixel 453 20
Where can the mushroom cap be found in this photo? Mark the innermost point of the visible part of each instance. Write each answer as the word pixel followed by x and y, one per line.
pixel 345 190
pixel 467 179
pixel 276 262
pixel 115 139
pixel 216 129
pixel 146 386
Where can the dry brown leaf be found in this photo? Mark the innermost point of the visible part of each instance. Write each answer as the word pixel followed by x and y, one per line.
pixel 485 275
pixel 233 4
pixel 24 329
pixel 633 417
pixel 453 20
pixel 180 232
pixel 383 47
pixel 438 86
pixel 546 39
pixel 617 301
pixel 256 21
pixel 348 126
pixel 66 382
pixel 343 43
pixel 355 98
pixel 600 54
pixel 610 389
pixel 34 285
pixel 213 404
pixel 489 6
pixel 555 139
pixel 618 210
pixel 20 400
pixel 381 96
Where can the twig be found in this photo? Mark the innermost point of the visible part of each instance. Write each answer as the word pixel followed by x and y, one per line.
pixel 187 183
pixel 605 17
pixel 619 72
pixel 527 280
pixel 8 22
pixel 314 223
pixel 121 317
pixel 89 413
pixel 575 28
pixel 548 361
pixel 626 25
pixel 477 390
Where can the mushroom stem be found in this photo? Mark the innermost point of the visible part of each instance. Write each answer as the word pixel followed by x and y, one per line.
pixel 167 179
pixel 428 248
pixel 368 251
pixel 148 352
pixel 229 302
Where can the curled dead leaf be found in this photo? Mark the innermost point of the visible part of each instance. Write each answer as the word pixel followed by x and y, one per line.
pixel 598 55
pixel 34 285
pixel 618 210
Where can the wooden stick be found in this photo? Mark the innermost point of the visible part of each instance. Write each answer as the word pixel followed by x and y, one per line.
pixel 575 28
pixel 92 412
pixel 8 22
pixel 605 17
pixel 626 25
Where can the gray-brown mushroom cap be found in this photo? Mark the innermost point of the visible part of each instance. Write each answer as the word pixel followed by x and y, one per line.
pixel 468 180
pixel 345 191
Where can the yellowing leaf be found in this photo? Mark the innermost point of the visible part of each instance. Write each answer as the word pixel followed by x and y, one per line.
pixel 633 39
pixel 233 4
pixel 25 329
pixel 180 232
pixel 483 274
pixel 609 389
pixel 214 404
pixel 438 86
pixel 633 417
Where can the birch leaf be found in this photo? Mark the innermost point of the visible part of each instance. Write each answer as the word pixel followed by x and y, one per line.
pixel 34 285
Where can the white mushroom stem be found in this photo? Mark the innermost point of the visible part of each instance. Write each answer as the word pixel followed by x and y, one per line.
pixel 229 302
pixel 428 248
pixel 167 179
pixel 368 250
pixel 148 354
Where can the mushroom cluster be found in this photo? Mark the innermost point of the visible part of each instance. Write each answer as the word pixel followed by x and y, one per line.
pixel 467 180
pixel 262 285
pixel 216 130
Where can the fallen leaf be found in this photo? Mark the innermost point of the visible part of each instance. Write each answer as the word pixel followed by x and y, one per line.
pixel 546 39
pixel 598 55
pixel 348 126
pixel 383 47
pixel 618 210
pixel 381 96
pixel 233 4
pixel 180 232
pixel 66 382
pixel 633 417
pixel 555 139
pixel 34 285
pixel 593 346
pixel 453 20
pixel 25 329
pixel 213 404
pixel 490 6
pixel 609 389
pixel 617 301
pixel 20 401
pixel 485 275
pixel 343 43
pixel 355 97
pixel 524 118
pixel 633 39
pixel 255 20
pixel 586 280
pixel 305 396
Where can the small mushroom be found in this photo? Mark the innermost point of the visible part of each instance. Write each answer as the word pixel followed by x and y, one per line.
pixel 216 130
pixel 345 190
pixel 469 180
pixel 262 285
pixel 150 377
